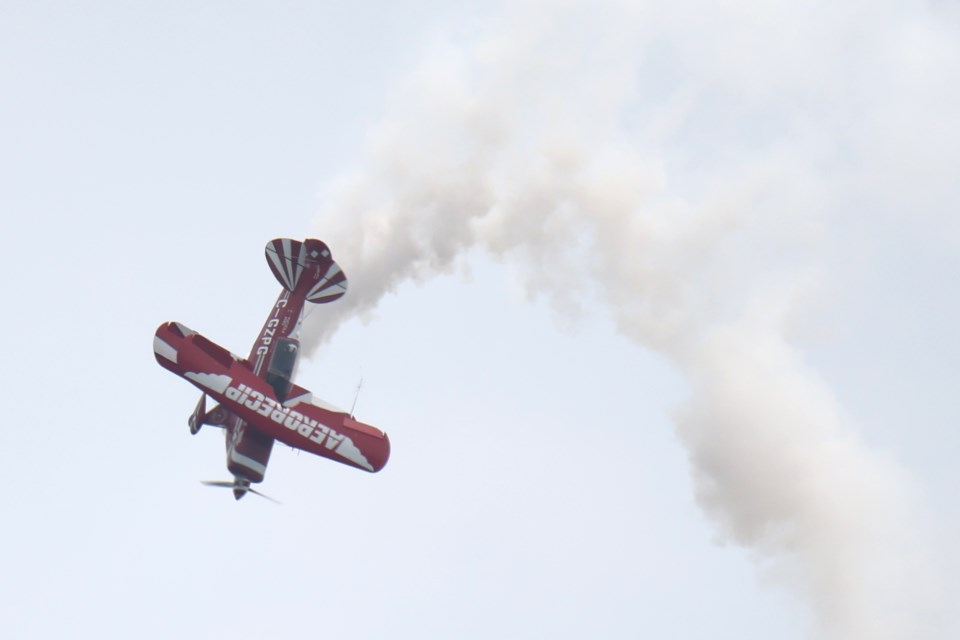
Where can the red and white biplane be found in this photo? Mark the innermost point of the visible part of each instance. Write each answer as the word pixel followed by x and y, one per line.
pixel 257 400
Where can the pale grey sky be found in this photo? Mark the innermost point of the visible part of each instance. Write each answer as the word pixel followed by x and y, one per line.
pixel 689 175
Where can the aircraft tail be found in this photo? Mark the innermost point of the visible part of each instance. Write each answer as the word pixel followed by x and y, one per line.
pixel 310 263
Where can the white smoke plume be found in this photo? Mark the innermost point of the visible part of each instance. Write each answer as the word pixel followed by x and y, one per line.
pixel 684 165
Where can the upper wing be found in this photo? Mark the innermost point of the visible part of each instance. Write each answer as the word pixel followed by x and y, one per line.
pixel 300 422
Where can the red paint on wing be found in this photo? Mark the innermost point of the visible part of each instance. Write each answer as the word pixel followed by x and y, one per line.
pixel 298 423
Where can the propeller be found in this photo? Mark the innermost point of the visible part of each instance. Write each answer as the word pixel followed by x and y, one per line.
pixel 240 488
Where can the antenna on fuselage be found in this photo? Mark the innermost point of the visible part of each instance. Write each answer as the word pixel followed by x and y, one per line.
pixel 356 397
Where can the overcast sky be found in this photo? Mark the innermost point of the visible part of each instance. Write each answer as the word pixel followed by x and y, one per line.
pixel 656 301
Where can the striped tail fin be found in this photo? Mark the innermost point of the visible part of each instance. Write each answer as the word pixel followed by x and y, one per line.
pixel 292 261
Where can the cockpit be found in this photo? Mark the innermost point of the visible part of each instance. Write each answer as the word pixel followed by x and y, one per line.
pixel 282 363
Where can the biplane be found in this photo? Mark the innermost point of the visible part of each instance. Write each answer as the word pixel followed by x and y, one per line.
pixel 257 402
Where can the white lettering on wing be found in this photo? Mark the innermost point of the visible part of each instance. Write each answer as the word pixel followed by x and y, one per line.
pixel 214 381
pixel 309 428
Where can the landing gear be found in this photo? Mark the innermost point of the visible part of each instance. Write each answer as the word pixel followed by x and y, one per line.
pixel 196 418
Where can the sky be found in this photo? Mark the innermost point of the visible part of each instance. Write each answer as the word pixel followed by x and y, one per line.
pixel 654 299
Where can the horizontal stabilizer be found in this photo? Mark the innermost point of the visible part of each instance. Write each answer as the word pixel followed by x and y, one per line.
pixel 308 267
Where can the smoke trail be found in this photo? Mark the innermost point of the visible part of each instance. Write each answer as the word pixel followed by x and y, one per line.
pixel 681 174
